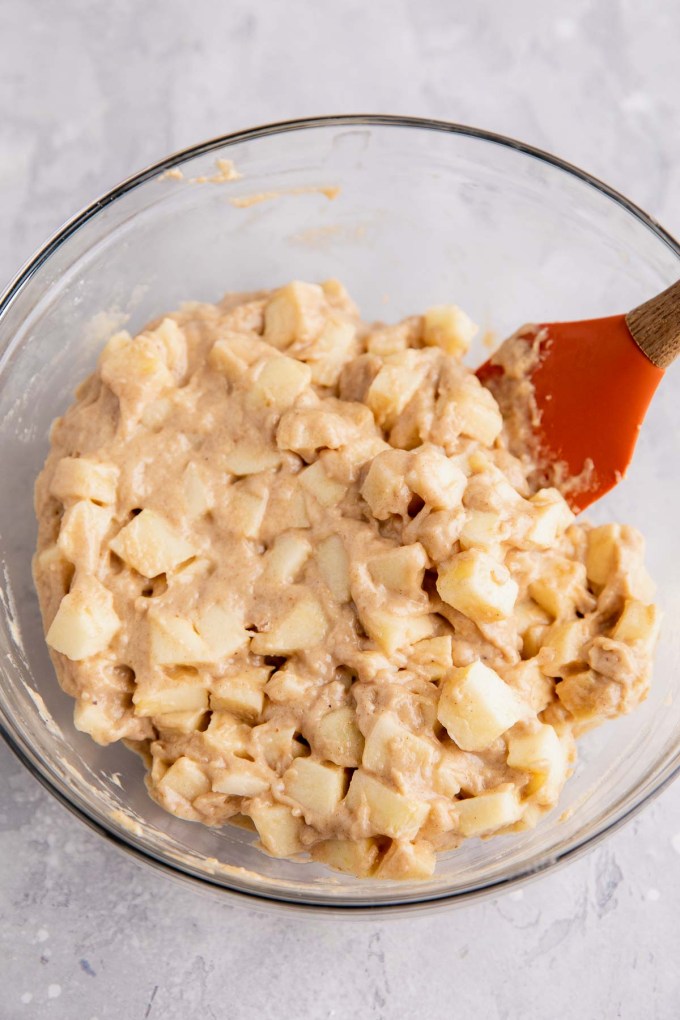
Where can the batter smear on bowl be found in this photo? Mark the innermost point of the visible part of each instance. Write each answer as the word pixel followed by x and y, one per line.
pixel 288 558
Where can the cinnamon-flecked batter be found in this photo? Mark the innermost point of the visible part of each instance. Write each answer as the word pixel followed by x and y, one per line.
pixel 289 558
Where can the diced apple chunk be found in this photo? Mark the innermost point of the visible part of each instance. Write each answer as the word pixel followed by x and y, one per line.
pixel 389 813
pixel 174 342
pixel 477 412
pixel 188 721
pixel 183 692
pixel 296 312
pixel 448 327
pixel 384 488
pixel 436 479
pixel 80 478
pixel 221 628
pixel 278 828
pixel 603 552
pixel 397 381
pixel 534 688
pixel 279 383
pixel 318 787
pixel 392 631
pixel 198 496
pixel 328 354
pixel 142 359
pixel 333 563
pixel 299 629
pixel 241 694
pixel 326 491
pixel 401 569
pixel 338 738
pixel 226 734
pixel 287 557
pixel 246 510
pixel 83 528
pixel 476 706
pixel 434 656
pixel 304 430
pixel 296 509
pixel 478 586
pixel 240 779
pixel 186 778
pixel 86 622
pixel 541 753
pixel 563 646
pixel 638 625
pixel 562 589
pixel 151 545
pixel 488 812
pixel 278 744
pixel 174 640
pixel 249 458
pixel 550 516
pixel 234 352
pixel 480 531
pixel 286 686
pixel 446 777
pixel 93 719
pixel 391 746
pixel 352 856
pixel 406 860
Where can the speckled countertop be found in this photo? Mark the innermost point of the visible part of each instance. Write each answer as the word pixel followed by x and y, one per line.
pixel 91 91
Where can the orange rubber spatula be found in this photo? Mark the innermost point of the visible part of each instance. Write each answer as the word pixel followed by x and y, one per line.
pixel 591 384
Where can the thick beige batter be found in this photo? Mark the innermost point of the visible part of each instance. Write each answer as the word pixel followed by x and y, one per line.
pixel 289 558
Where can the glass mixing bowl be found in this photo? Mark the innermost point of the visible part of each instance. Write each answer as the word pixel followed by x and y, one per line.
pixel 424 212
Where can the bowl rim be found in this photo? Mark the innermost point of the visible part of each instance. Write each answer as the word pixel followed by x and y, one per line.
pixel 627 808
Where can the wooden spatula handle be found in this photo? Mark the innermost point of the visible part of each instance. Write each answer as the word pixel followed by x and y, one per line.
pixel 655 326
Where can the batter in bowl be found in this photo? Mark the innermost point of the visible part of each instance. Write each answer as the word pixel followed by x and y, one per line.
pixel 288 558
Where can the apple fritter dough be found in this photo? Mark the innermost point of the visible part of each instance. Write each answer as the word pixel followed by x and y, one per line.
pixel 288 557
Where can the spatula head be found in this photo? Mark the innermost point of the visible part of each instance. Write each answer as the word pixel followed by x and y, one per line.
pixel 590 388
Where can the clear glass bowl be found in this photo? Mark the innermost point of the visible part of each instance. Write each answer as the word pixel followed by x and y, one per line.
pixel 426 212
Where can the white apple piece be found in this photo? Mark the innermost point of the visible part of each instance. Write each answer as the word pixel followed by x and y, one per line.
pixel 316 482
pixel 488 812
pixel 318 787
pixel 357 857
pixel 183 691
pixel 542 753
pixel 301 628
pixel 436 479
pixel 448 327
pixel 287 557
pixel 477 412
pixel 390 745
pixel 278 828
pixel 240 779
pixel 397 381
pixel 478 586
pixel 297 311
pixel 86 621
pixel 333 564
pixel 279 382
pixel 241 694
pixel 476 706
pixel 151 545
pixel 638 625
pixel 82 532
pixel 338 739
pixel 401 569
pixel 186 779
pixel 406 860
pixel 389 813
pixel 77 478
